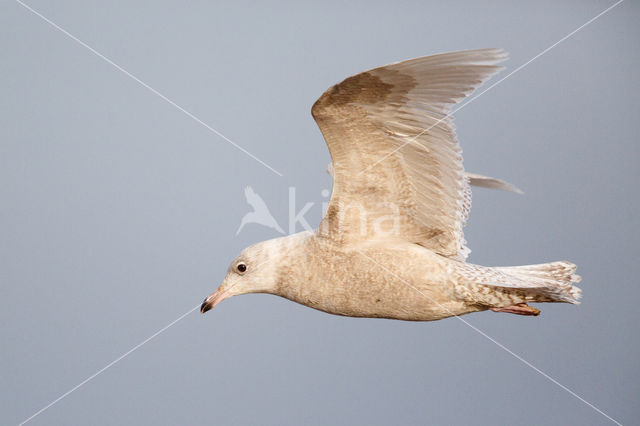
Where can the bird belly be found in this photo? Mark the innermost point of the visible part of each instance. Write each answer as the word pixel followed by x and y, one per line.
pixel 396 301
pixel 411 285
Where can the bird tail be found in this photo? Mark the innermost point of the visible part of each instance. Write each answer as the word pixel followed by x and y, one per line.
pixel 553 282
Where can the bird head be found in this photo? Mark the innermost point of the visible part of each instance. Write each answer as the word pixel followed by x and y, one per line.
pixel 253 271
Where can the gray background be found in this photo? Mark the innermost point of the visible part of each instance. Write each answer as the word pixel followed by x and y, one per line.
pixel 118 213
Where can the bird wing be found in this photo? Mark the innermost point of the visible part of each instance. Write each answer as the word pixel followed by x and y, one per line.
pixel 474 180
pixel 492 183
pixel 395 154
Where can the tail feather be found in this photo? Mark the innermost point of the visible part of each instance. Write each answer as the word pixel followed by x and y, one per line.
pixel 554 280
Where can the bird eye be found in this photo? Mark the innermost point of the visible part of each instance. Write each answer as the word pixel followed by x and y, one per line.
pixel 241 267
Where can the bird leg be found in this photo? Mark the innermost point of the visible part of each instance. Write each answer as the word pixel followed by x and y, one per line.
pixel 519 309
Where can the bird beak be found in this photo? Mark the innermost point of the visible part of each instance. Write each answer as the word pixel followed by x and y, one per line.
pixel 213 299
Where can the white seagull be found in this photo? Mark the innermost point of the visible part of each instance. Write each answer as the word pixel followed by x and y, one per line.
pixel 391 242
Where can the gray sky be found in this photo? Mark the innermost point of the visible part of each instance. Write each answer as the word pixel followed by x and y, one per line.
pixel 118 214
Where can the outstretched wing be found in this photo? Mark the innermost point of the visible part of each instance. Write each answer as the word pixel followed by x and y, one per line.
pixel 396 159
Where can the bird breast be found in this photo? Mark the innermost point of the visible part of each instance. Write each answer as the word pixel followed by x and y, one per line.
pixel 398 280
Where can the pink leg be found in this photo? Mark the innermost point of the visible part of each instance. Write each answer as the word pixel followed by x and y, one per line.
pixel 519 309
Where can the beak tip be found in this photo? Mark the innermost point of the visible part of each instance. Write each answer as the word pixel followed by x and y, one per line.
pixel 206 306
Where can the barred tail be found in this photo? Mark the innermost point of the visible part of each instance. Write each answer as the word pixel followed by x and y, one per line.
pixel 554 281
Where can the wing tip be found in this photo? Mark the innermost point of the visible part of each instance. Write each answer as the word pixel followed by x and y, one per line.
pixel 492 183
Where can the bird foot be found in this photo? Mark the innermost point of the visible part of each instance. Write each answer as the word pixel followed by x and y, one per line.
pixel 519 309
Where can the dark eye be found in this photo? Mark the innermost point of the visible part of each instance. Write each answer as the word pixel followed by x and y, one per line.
pixel 241 267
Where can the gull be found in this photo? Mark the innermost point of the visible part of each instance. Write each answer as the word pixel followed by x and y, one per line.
pixel 391 243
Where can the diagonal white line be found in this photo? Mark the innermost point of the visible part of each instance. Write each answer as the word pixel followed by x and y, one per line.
pixel 500 345
pixel 275 171
pixel 492 86
pixel 539 55
pixel 145 85
pixel 112 363
pixel 120 358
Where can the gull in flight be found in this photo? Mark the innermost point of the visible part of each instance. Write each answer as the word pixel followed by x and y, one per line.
pixel 391 243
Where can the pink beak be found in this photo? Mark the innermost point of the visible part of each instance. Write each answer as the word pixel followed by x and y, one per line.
pixel 212 300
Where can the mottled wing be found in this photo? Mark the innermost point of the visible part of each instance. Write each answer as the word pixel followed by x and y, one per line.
pixel 396 159
pixel 474 180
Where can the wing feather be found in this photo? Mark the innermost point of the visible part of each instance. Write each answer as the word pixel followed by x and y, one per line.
pixel 396 159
